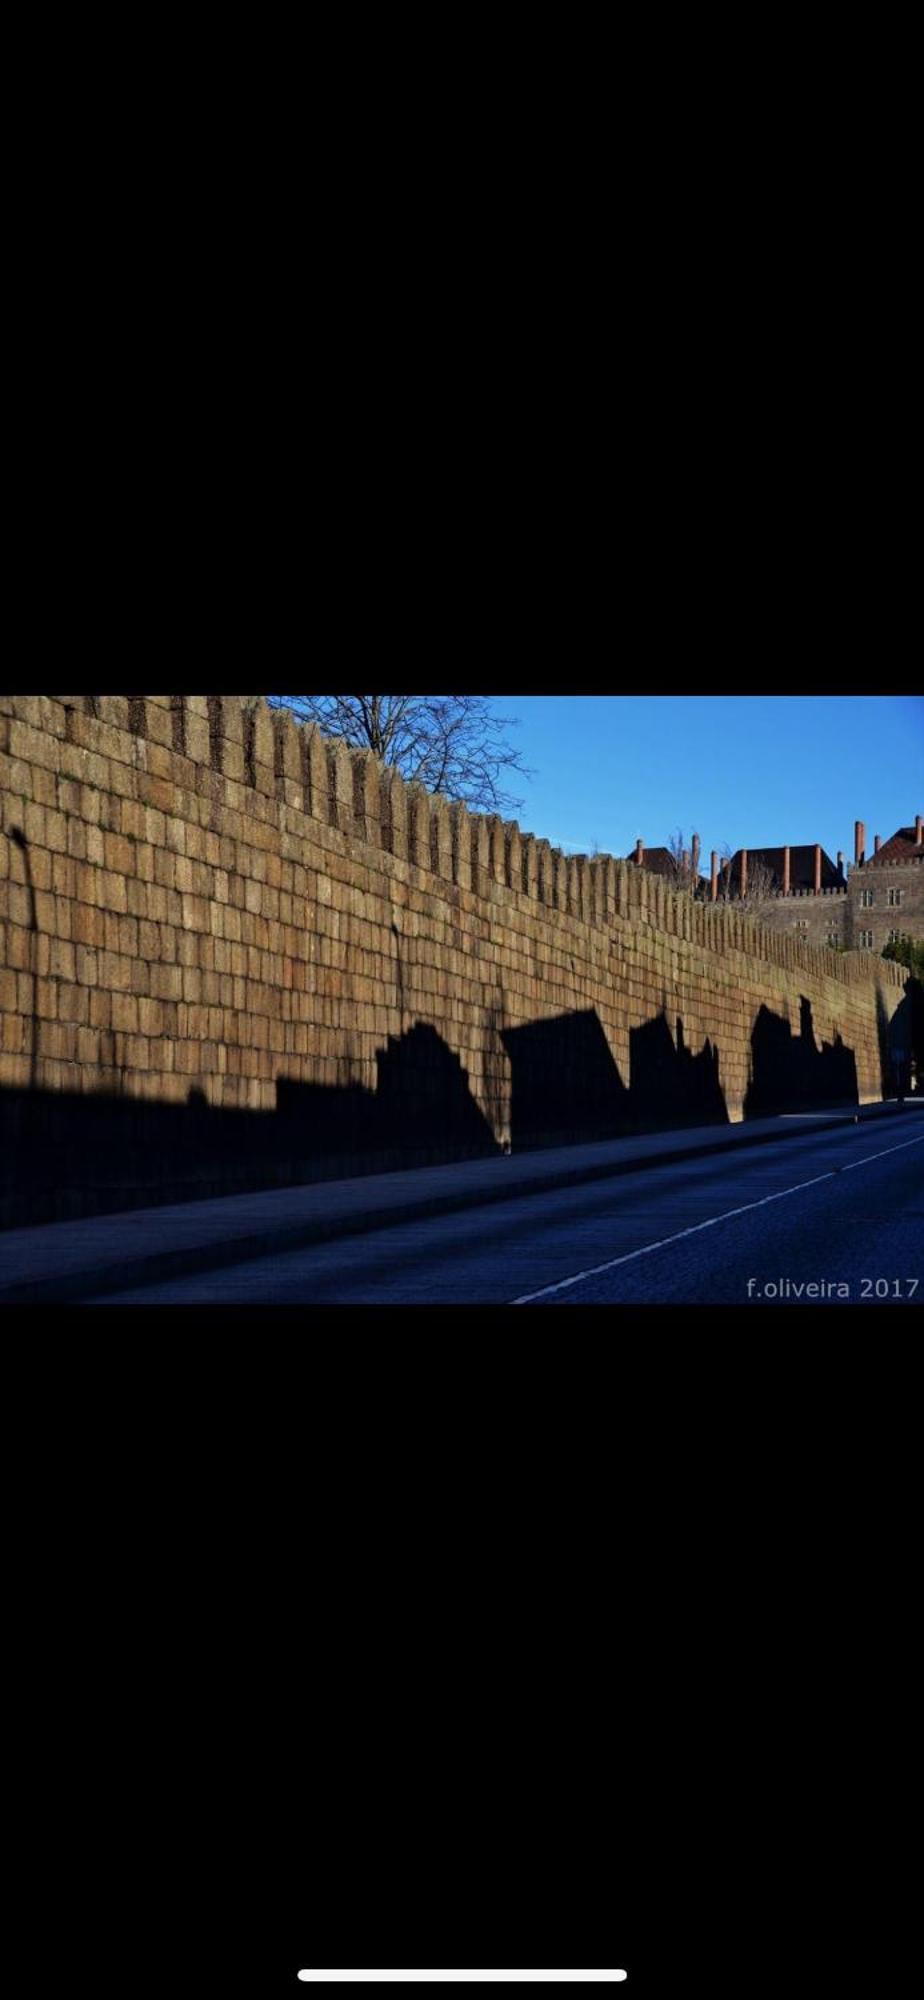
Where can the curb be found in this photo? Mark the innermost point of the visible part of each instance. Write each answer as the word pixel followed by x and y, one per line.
pixel 162 1265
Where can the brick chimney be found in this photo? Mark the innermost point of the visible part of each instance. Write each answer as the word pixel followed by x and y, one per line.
pixel 696 845
pixel 919 831
pixel 877 843
pixel 859 843
pixel 714 885
pixel 840 861
pixel 744 873
pixel 817 870
pixel 787 872
pixel 640 852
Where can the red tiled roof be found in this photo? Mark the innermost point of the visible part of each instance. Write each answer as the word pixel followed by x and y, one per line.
pixel 660 861
pixel 901 847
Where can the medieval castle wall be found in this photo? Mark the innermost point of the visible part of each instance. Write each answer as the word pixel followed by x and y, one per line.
pixel 203 904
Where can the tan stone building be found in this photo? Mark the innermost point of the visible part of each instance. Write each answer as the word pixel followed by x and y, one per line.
pixel 886 890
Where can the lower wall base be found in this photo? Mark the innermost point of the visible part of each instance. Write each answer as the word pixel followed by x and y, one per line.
pixel 66 1157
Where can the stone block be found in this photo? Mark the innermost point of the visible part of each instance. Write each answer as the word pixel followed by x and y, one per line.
pixel 198 740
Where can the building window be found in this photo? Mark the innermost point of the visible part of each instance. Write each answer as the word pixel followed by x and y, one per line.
pixel 895 937
pixel 802 924
pixel 833 940
pixel 866 899
pixel 866 940
pixel 895 897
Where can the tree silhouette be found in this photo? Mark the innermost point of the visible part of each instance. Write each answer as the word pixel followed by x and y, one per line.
pixel 451 743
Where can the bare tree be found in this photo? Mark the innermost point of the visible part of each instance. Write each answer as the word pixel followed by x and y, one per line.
pixel 761 881
pixel 451 743
pixel 683 878
pixel 725 873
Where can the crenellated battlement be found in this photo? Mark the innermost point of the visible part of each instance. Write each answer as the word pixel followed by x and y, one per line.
pixel 802 895
pixel 242 742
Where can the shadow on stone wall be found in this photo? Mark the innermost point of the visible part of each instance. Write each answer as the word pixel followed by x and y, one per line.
pixel 563 1081
pixel 68 1155
pixel 71 1155
pixel 914 994
pixel 422 1103
pixel 669 1082
pixel 566 1085
pixel 901 1040
pixel 791 1073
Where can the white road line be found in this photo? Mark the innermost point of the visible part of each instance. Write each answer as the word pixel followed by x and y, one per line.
pixel 880 1156
pixel 648 1249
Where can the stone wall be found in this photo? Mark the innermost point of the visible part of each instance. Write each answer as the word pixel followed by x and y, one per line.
pixel 814 918
pixel 233 953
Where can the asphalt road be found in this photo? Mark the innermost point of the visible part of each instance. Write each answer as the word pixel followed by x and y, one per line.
pixel 843 1210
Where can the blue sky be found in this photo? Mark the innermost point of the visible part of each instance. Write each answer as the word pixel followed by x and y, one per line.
pixel 755 771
